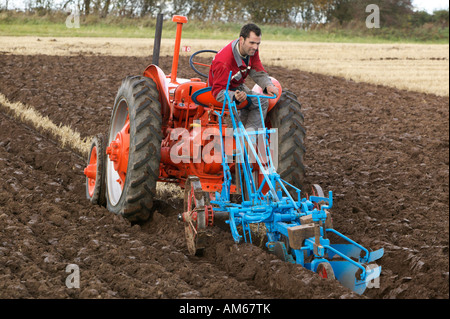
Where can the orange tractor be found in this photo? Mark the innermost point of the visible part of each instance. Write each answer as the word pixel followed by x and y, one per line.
pixel 167 129
pixel 149 110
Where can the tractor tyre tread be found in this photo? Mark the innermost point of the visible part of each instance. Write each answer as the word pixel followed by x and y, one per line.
pixel 288 118
pixel 144 110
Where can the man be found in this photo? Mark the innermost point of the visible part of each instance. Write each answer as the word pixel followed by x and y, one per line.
pixel 241 57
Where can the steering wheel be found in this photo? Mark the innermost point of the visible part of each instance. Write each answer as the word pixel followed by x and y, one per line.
pixel 192 63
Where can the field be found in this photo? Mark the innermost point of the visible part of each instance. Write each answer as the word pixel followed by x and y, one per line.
pixel 418 67
pixel 382 150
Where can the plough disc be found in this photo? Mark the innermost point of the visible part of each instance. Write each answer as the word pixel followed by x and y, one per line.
pixel 325 270
pixel 195 215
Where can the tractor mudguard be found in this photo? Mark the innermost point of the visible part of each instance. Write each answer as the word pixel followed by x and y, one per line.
pixel 158 76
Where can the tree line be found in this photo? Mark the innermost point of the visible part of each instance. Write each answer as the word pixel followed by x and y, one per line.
pixel 393 13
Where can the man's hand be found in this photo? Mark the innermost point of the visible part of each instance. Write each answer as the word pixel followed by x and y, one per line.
pixel 272 89
pixel 240 96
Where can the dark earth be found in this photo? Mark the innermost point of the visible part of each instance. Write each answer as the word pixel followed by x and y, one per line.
pixel 383 152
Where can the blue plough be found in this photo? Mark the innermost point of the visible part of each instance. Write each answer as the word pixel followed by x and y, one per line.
pixel 298 229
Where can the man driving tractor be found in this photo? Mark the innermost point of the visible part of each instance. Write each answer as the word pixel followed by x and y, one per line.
pixel 241 57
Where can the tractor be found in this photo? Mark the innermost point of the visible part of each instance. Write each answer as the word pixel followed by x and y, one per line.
pixel 172 130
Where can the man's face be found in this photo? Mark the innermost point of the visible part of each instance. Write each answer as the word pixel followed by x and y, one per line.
pixel 249 45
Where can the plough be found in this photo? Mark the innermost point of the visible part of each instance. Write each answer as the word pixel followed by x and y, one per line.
pixel 159 132
pixel 296 228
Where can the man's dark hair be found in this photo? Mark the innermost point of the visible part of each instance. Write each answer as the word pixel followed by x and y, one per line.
pixel 250 27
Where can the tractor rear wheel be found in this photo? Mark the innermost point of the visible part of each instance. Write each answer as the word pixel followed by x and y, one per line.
pixel 288 118
pixel 134 149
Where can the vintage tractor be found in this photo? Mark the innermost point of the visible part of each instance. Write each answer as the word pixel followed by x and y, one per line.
pixel 167 129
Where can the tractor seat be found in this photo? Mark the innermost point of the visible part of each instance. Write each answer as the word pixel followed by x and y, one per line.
pixel 205 98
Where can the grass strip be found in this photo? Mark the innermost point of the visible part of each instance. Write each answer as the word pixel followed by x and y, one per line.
pixel 62 133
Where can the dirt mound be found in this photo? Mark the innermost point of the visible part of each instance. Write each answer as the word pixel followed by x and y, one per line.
pixel 383 152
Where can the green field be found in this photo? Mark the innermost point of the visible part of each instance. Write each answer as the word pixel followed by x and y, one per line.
pixel 55 26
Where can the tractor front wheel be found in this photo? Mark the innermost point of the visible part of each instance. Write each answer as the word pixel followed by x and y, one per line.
pixel 134 149
pixel 95 171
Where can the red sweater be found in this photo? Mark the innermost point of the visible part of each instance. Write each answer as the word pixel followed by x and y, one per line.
pixel 226 60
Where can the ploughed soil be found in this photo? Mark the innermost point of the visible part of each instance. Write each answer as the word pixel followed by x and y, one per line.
pixel 383 152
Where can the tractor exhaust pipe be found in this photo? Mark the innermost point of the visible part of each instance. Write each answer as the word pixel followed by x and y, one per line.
pixel 179 20
pixel 157 42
